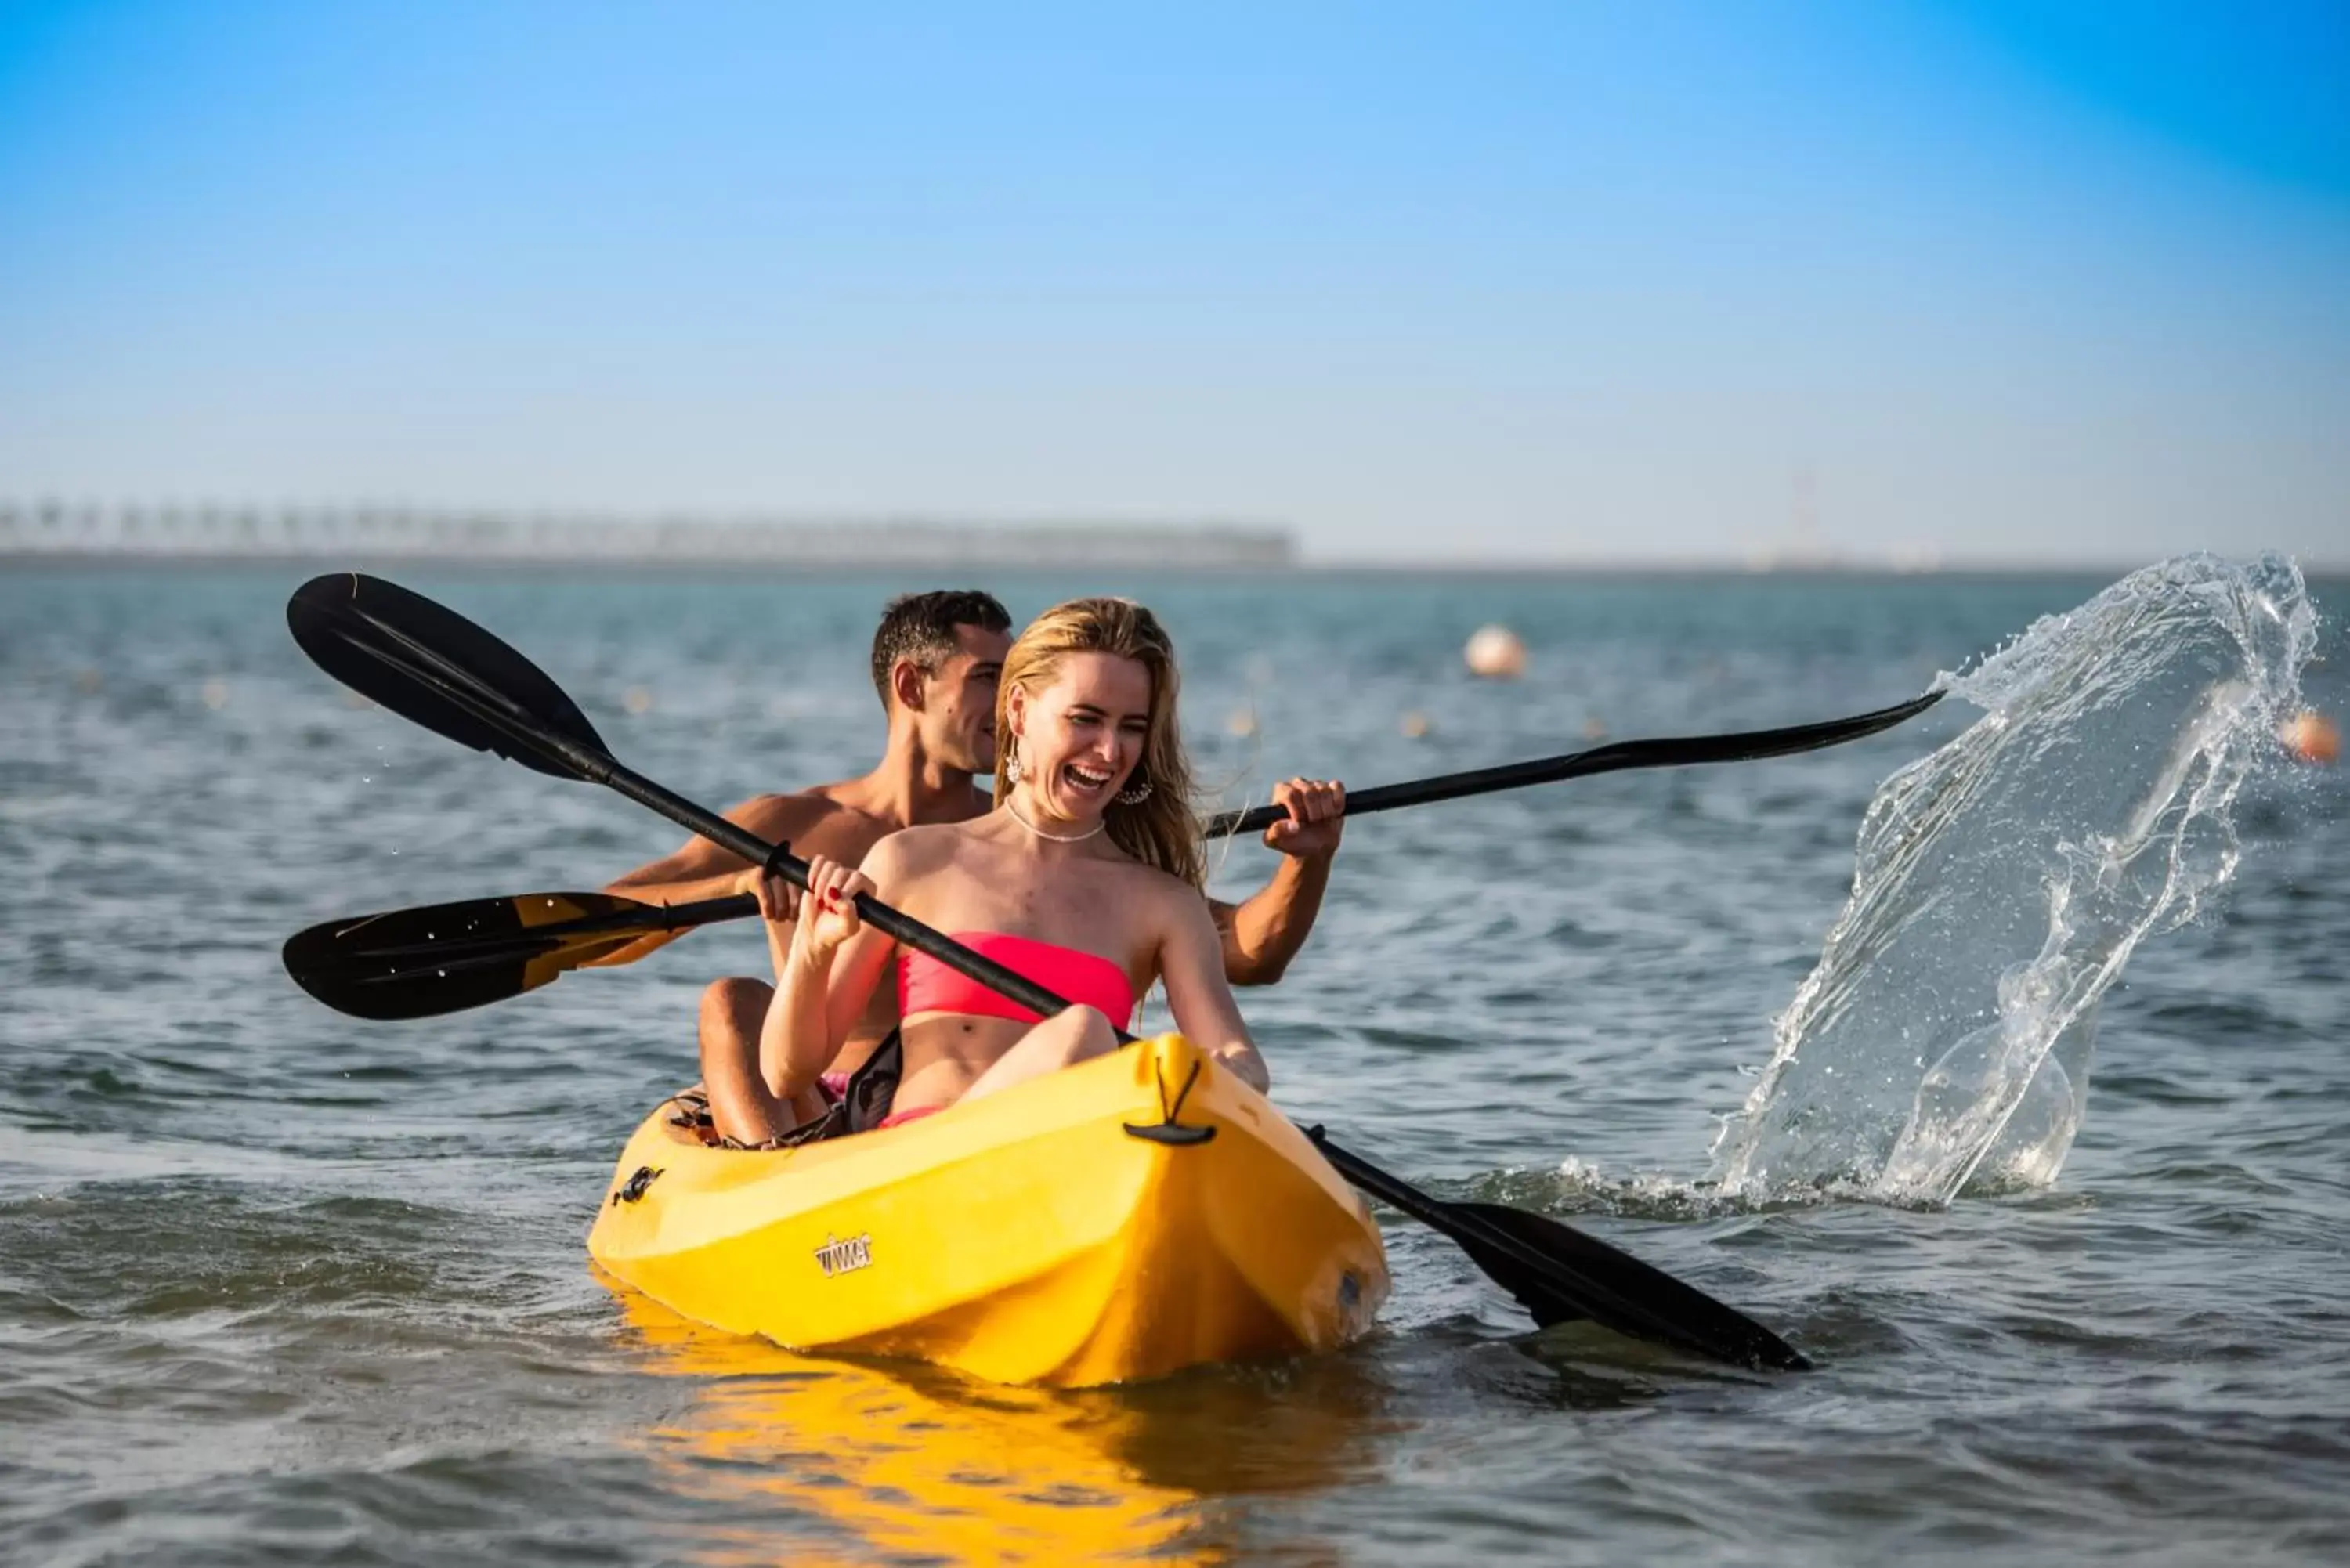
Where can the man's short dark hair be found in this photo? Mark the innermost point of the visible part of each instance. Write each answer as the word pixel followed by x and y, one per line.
pixel 921 626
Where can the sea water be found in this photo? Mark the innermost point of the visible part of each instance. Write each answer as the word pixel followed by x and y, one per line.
pixel 277 1285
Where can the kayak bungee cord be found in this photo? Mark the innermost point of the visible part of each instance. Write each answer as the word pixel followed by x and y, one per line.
pixel 436 668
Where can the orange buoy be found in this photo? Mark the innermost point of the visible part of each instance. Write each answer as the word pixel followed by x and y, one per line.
pixel 2311 737
pixel 1495 653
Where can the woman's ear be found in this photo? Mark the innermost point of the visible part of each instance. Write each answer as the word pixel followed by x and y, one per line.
pixel 1016 710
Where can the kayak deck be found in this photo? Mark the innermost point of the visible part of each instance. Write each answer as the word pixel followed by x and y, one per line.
pixel 1061 1231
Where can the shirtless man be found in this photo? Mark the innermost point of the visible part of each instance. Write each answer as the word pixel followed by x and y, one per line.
pixel 936 656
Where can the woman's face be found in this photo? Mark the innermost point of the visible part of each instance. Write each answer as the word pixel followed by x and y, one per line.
pixel 1081 735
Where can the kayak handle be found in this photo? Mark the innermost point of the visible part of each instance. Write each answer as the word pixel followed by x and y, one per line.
pixel 1167 1129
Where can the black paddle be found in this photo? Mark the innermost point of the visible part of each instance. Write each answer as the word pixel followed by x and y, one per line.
pixel 444 957
pixel 435 668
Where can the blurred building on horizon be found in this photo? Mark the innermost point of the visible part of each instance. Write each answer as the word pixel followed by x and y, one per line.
pixel 57 529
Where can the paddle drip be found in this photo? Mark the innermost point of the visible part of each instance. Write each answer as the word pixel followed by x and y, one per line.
pixel 2002 882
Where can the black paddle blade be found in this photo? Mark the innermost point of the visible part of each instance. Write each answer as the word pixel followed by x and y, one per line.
pixel 445 958
pixel 435 668
pixel 1577 1276
pixel 1559 1274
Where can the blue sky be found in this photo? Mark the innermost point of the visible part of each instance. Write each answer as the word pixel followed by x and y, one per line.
pixel 1483 281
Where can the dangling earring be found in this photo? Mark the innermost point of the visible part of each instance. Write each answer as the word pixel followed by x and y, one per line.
pixel 1011 767
pixel 1135 795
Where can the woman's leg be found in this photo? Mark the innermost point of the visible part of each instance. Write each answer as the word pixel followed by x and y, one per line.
pixel 742 1106
pixel 1070 1036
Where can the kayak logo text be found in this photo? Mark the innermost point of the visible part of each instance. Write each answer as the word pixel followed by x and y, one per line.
pixel 840 1257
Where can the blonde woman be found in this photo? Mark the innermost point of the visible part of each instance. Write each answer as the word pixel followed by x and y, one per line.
pixel 1086 876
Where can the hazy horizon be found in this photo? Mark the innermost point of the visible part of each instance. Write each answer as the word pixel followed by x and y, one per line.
pixel 1763 559
pixel 1981 285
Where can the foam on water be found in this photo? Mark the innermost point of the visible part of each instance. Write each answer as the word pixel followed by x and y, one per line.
pixel 2002 882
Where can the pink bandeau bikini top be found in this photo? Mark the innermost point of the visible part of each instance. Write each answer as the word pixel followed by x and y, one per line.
pixel 926 985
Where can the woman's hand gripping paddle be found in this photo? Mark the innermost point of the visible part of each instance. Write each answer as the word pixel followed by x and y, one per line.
pixel 433 667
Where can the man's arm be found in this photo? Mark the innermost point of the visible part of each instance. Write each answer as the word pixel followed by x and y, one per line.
pixel 1261 936
pixel 702 870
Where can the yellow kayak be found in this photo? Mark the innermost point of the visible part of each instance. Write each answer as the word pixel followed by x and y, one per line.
pixel 1119 1220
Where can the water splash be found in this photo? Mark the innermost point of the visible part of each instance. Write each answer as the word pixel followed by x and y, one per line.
pixel 2002 882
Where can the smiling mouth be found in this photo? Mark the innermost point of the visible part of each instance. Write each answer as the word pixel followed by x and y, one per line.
pixel 1087 779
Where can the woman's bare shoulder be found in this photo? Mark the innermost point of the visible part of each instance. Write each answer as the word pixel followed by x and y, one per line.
pixel 1163 892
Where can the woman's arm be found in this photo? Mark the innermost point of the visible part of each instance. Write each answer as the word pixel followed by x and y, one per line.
pixel 827 966
pixel 1191 961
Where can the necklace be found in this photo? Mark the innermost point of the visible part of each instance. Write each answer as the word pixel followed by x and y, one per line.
pixel 1013 807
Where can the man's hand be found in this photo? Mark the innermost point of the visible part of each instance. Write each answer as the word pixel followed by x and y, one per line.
pixel 1317 811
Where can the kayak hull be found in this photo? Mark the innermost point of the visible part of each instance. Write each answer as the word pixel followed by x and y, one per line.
pixel 1068 1231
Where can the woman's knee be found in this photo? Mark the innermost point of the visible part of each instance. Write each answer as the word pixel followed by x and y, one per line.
pixel 1072 1035
pixel 1079 1033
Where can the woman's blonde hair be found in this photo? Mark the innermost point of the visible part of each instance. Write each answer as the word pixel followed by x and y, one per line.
pixel 1161 830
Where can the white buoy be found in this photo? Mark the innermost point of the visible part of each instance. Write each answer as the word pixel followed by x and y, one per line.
pixel 1495 653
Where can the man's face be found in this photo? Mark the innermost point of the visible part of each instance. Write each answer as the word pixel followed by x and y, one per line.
pixel 958 716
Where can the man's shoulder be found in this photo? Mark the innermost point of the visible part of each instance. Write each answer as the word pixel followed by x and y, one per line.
pixel 927 838
pixel 924 846
pixel 811 816
pixel 858 795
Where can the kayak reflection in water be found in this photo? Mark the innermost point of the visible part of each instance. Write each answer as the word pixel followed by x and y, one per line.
pixel 1086 876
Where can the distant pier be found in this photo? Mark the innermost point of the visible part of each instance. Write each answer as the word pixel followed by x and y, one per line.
pixel 50 529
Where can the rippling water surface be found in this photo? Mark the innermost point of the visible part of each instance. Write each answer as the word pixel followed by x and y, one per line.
pixel 277 1285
